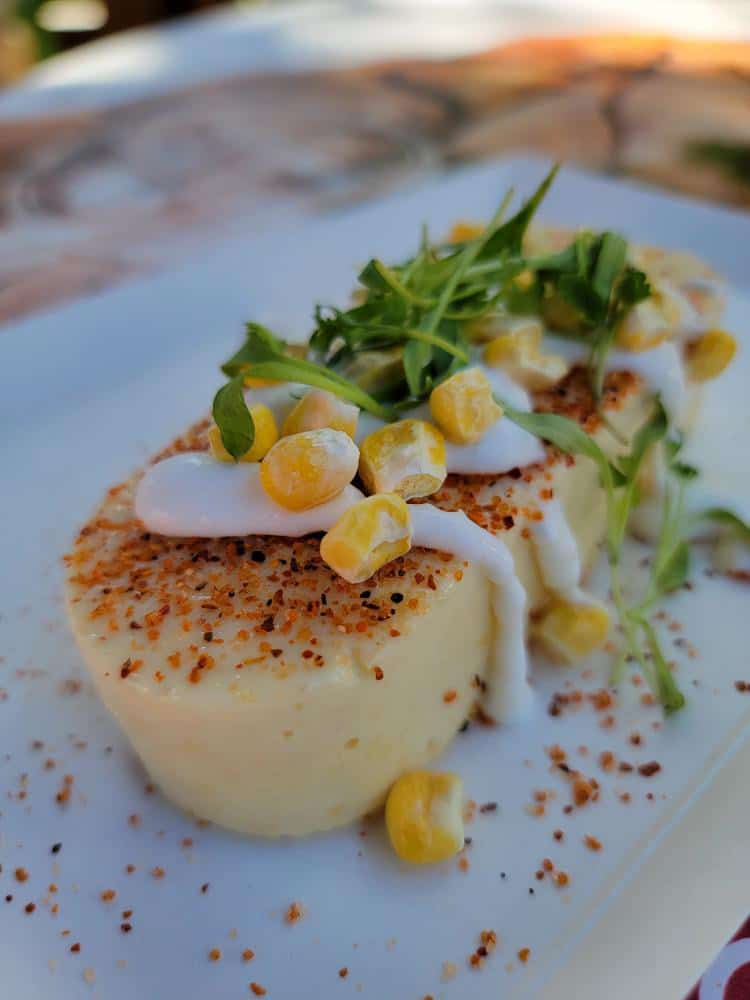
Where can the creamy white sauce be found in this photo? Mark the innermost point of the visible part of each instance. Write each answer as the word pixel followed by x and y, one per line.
pixel 556 552
pixel 193 495
pixel 502 447
pixel 661 368
pixel 508 695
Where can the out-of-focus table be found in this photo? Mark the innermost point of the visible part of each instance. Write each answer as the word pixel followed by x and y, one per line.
pixel 118 157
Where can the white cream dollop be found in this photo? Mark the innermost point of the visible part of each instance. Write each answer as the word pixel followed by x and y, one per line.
pixel 192 495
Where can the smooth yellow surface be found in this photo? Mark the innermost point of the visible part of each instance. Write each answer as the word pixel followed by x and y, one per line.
pixel 463 406
pixel 406 457
pixel 423 816
pixel 306 469
pixel 367 536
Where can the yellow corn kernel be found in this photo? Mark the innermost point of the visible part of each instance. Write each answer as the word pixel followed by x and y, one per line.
pixel 650 323
pixel 266 435
pixel 424 816
pixel 407 458
pixel 517 353
pixel 319 408
pixel 710 355
pixel 304 470
pixel 570 631
pixel 463 406
pixel 462 232
pixel 367 536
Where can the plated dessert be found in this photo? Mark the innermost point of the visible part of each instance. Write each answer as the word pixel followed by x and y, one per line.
pixel 298 604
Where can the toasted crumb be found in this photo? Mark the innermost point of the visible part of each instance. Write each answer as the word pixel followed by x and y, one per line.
pixel 21 875
pixel 248 955
pixel 107 895
pixel 524 954
pixel 257 989
pixel 449 972
pixel 295 912
pixel 593 843
pixel 158 872
pixel 343 973
pixel 562 879
pixel 214 954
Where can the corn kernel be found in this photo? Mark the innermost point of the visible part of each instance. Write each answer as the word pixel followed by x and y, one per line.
pixel 710 355
pixel 572 631
pixel 319 408
pixel 307 469
pixel 407 458
pixel 462 232
pixel 266 435
pixel 367 536
pixel 424 816
pixel 517 352
pixel 463 406
pixel 650 323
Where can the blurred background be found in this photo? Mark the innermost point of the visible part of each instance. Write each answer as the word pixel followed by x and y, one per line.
pixel 31 30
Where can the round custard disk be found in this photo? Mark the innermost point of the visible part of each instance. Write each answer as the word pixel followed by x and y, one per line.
pixel 263 692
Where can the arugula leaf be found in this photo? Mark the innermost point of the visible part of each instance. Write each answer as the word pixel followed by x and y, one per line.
pixel 233 418
pixel 509 237
pixel 674 570
pixel 726 517
pixel 667 690
pixel 417 358
pixel 260 345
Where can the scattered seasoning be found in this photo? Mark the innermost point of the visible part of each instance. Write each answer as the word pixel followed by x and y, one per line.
pixel 449 696
pixel 204 888
pixel 30 907
pixel 158 872
pixel 21 875
pixel 448 972
pixel 215 954
pixel 488 807
pixel 487 944
pixel 248 955
pixel 89 976
pixel 558 835
pixel 593 843
pixel 257 989
pixel 107 895
pixel 55 849
pixel 524 954
pixel 562 879
pixel 294 913
pixel 125 927
pixel 343 973
pixel 75 948
pixel 742 686
pixel 650 769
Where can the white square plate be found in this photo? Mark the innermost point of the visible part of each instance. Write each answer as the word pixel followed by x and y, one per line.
pixel 87 392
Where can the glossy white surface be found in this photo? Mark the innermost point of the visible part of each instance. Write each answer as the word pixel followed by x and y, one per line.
pixel 79 412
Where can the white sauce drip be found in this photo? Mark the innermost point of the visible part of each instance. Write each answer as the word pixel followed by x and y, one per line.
pixel 508 693
pixel 556 552
pixel 194 496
